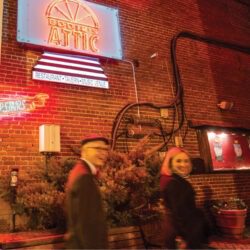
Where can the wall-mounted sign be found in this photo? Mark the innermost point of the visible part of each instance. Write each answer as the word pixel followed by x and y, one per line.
pixel 226 149
pixel 70 25
pixel 21 104
pixel 70 69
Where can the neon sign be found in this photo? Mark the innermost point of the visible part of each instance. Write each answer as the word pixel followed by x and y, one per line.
pixel 71 25
pixel 22 104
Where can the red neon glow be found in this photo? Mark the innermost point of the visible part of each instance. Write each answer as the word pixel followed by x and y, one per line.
pixel 72 24
pixel 22 104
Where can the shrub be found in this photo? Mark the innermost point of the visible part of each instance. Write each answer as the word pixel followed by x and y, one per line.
pixel 41 196
pixel 129 183
pixel 130 186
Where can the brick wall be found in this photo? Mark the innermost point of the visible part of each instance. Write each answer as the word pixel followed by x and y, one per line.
pixel 209 74
pixel 221 186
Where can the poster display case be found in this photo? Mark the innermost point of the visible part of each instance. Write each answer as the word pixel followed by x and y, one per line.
pixel 225 149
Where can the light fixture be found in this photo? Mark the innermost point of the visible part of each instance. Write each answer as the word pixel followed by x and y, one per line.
pixel 225 105
pixel 49 142
pixel 156 54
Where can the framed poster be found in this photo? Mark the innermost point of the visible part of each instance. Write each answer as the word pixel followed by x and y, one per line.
pixel 225 149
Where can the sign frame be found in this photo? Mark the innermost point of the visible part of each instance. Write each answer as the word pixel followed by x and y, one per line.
pixel 224 149
pixel 39 25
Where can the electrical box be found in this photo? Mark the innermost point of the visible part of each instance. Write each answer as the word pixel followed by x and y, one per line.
pixel 178 141
pixel 49 138
pixel 164 113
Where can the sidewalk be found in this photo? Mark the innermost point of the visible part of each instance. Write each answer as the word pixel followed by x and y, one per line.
pixel 31 240
pixel 223 243
pixel 51 240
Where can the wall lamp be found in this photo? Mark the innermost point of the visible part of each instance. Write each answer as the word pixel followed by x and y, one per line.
pixel 49 142
pixel 154 55
pixel 225 105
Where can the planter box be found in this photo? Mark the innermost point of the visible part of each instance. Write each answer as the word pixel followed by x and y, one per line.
pixel 231 223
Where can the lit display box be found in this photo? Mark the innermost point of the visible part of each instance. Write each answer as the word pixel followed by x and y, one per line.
pixel 225 149
pixel 75 26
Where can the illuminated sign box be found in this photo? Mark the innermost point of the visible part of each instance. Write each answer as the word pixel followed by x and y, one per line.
pixel 70 25
pixel 225 149
pixel 70 69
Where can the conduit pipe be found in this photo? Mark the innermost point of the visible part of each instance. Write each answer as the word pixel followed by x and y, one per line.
pixel 178 98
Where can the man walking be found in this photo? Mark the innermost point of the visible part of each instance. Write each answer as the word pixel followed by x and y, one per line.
pixel 87 228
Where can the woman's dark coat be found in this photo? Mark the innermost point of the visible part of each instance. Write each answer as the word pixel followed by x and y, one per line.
pixel 183 217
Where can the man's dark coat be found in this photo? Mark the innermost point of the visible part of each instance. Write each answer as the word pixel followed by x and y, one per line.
pixel 87 227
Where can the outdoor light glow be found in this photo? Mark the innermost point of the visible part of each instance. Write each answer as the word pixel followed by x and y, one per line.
pixel 222 135
pixel 212 135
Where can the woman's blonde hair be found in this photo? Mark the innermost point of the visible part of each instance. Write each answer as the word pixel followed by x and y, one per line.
pixel 170 154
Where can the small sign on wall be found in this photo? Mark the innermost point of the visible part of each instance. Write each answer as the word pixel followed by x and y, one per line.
pixel 70 25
